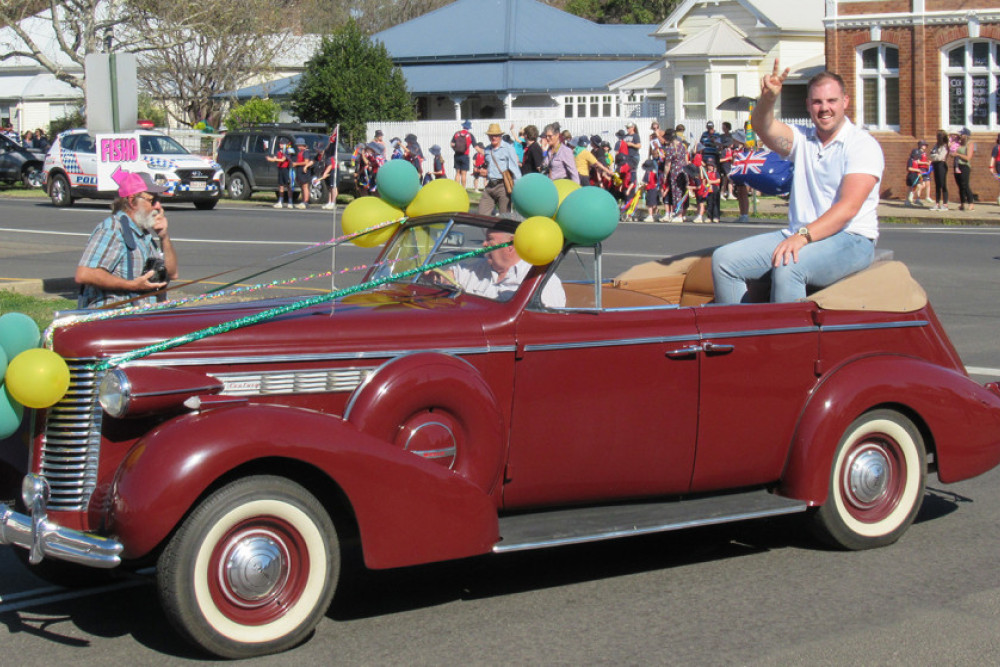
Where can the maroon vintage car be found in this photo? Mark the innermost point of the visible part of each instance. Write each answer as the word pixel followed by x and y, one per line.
pixel 422 423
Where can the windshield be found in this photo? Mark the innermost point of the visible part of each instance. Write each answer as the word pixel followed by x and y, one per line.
pixel 428 243
pixel 156 144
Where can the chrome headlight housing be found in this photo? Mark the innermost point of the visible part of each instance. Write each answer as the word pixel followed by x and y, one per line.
pixel 115 393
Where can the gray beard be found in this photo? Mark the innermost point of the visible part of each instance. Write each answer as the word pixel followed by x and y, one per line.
pixel 144 220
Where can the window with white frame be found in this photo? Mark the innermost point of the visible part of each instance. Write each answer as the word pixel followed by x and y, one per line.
pixel 694 95
pixel 972 78
pixel 590 106
pixel 878 86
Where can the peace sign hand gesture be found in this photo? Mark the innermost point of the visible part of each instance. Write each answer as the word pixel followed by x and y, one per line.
pixel 770 84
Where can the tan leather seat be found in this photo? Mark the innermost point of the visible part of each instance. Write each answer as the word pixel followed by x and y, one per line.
pixel 698 285
pixel 582 296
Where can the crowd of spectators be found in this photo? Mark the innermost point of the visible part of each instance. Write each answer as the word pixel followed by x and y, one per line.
pixel 36 140
pixel 676 179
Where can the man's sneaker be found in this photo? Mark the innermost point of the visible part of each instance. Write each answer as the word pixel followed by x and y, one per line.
pixel 648 218
pixel 698 219
pixel 329 205
pixel 743 218
pixel 300 205
pixel 279 205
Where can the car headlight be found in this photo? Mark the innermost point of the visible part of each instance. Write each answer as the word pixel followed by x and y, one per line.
pixel 115 393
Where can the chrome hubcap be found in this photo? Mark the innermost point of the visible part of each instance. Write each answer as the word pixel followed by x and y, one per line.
pixel 867 476
pixel 255 567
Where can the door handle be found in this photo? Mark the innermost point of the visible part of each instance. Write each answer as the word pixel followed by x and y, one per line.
pixel 684 352
pixel 715 348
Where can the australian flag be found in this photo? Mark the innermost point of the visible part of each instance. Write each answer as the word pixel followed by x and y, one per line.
pixel 763 170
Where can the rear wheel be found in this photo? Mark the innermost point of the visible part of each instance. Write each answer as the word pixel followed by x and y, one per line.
pixel 876 483
pixel 252 570
pixel 59 191
pixel 238 186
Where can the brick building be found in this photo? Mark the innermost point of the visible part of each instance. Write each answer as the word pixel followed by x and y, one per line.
pixel 915 66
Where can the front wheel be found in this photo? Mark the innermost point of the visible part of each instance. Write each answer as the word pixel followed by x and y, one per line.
pixel 876 483
pixel 59 191
pixel 32 177
pixel 205 204
pixel 238 186
pixel 252 570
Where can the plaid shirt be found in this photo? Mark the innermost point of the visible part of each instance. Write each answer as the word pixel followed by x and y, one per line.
pixel 106 250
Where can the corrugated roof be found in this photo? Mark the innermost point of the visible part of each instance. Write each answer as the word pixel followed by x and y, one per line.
pixel 718 40
pixel 468 29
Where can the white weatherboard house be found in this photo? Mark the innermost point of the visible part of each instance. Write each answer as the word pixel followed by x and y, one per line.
pixel 717 49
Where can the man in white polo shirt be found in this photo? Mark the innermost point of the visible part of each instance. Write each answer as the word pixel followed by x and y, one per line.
pixel 832 212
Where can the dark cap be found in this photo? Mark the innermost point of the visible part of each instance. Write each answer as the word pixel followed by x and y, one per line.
pixel 378 133
pixel 965 131
pixel 710 124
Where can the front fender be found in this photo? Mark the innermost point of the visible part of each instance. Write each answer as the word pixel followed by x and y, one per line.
pixel 962 417
pixel 408 510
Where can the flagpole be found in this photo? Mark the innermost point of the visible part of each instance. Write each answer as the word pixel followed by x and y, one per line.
pixel 336 182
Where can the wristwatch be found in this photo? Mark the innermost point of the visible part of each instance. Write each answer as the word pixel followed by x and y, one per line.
pixel 804 231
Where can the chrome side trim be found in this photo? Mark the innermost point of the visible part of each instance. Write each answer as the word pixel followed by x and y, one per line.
pixel 615 342
pixel 875 325
pixel 306 381
pixel 760 332
pixel 304 358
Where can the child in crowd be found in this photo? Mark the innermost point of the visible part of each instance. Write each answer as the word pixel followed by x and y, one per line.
pixel 713 190
pixel 651 186
pixel 478 164
pixel 697 187
pixel 437 164
pixel 623 178
pixel 281 157
pixel 916 166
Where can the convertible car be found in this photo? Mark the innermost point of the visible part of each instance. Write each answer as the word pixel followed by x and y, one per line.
pixel 416 423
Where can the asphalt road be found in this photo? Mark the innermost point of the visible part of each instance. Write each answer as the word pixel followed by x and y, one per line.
pixel 759 593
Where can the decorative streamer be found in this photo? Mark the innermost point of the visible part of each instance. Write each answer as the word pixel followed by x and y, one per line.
pixel 272 313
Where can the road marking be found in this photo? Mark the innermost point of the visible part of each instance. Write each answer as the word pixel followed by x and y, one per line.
pixel 980 370
pixel 42 598
pixel 173 238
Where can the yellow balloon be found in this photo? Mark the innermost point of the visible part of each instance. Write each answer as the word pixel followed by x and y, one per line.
pixel 37 378
pixel 440 196
pixel 564 186
pixel 365 212
pixel 538 240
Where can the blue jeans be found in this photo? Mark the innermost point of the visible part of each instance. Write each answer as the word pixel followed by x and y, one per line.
pixel 820 264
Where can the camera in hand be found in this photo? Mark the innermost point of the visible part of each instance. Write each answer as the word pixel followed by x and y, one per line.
pixel 158 267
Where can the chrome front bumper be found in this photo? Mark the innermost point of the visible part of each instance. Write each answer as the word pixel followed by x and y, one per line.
pixel 42 538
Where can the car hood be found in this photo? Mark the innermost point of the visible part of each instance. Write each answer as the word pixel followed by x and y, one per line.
pixel 397 319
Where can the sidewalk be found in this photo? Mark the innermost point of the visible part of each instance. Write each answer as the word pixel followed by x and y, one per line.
pixel 893 211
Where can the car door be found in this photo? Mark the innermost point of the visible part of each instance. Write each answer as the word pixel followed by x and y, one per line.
pixel 265 173
pixel 9 166
pixel 758 365
pixel 605 404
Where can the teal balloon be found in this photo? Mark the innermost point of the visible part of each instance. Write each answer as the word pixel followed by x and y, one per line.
pixel 535 195
pixel 18 333
pixel 3 362
pixel 398 182
pixel 588 215
pixel 11 413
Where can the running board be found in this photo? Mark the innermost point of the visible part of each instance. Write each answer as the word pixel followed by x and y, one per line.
pixel 538 530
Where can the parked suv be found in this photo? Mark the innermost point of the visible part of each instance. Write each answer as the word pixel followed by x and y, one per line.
pixel 18 163
pixel 243 156
pixel 71 170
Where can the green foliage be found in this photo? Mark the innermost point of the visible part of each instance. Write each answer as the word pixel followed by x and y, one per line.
pixel 148 109
pixel 351 80
pixel 622 11
pixel 253 112
pixel 75 119
pixel 40 310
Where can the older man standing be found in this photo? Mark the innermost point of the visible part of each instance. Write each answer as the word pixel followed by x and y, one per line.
pixel 500 157
pixel 130 252
pixel 833 209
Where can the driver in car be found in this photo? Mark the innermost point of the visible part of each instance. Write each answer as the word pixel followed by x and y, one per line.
pixel 498 273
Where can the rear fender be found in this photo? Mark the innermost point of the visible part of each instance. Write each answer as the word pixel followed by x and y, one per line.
pixel 408 510
pixel 961 417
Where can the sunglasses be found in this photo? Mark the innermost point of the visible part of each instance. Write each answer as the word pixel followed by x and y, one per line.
pixel 152 198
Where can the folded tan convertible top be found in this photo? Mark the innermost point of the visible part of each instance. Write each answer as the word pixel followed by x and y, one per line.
pixel 885 286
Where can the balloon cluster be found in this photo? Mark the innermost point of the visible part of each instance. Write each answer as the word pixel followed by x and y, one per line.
pixel 558 211
pixel 33 377
pixel 399 190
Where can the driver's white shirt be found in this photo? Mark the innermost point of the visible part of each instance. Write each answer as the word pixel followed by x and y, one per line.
pixel 479 278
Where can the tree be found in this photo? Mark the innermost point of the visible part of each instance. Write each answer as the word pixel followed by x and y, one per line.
pixel 622 11
pixel 351 80
pixel 253 112
pixel 148 109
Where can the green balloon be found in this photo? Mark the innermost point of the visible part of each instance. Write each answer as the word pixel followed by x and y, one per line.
pixel 18 333
pixel 398 182
pixel 535 195
pixel 11 413
pixel 588 215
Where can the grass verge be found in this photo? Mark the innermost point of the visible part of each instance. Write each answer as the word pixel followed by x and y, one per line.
pixel 40 310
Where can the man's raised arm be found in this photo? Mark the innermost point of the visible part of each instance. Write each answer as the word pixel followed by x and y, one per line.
pixel 773 133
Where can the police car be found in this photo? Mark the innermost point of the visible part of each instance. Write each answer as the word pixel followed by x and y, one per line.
pixel 71 170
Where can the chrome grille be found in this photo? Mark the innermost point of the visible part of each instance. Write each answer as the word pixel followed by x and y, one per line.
pixel 71 445
pixel 312 381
